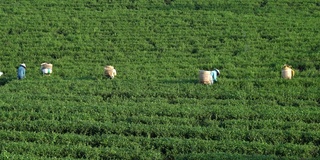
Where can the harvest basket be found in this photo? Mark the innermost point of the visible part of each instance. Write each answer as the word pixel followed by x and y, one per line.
pixel 287 72
pixel 205 77
pixel 46 66
pixel 109 71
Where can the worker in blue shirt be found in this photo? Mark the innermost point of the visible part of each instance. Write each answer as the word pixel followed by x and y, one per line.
pixel 22 71
pixel 215 73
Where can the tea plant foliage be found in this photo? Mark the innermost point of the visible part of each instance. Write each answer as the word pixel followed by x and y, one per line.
pixel 155 108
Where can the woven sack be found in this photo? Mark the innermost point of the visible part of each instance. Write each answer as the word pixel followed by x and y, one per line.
pixel 46 66
pixel 205 77
pixel 109 71
pixel 287 72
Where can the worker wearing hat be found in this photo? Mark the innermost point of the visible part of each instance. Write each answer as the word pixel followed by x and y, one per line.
pixel 215 73
pixel 22 71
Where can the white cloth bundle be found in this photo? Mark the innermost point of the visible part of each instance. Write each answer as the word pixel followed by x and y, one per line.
pixel 110 71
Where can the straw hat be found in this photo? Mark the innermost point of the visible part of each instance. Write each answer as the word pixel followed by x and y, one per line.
pixel 24 65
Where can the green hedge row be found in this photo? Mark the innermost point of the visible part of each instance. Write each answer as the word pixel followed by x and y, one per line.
pixel 80 146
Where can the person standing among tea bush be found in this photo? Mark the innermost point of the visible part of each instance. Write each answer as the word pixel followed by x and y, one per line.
pixel 22 71
pixel 215 73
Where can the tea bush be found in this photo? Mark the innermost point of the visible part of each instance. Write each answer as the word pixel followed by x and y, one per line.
pixel 155 108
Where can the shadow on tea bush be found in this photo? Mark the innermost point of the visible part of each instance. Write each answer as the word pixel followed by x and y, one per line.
pixel 5 80
pixel 193 81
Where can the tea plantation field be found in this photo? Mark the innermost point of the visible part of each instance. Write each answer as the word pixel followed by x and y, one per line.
pixel 155 108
